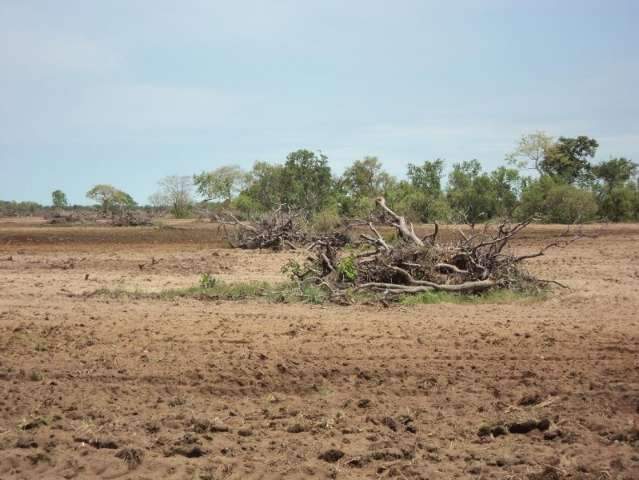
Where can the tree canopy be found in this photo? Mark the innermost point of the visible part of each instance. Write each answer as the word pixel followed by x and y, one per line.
pixel 110 199
pixel 59 199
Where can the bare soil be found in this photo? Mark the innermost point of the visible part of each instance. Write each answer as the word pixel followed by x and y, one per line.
pixel 92 387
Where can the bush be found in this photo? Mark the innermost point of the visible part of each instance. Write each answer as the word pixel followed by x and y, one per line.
pixel 326 220
pixel 421 207
pixel 246 206
pixel 557 202
pixel 620 204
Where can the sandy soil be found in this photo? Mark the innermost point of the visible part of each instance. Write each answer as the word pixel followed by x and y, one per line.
pixel 100 388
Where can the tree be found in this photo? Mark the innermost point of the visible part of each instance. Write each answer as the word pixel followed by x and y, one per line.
pixel 470 192
pixel 59 199
pixel 364 178
pixel 427 177
pixel 615 172
pixel 506 186
pixel 176 192
pixel 359 185
pixel 264 189
pixel 531 151
pixel 568 159
pixel 220 184
pixel 306 181
pixel 110 199
pixel 555 201
pixel 620 204
pixel 618 196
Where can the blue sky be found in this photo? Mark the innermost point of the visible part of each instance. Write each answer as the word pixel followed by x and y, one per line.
pixel 129 91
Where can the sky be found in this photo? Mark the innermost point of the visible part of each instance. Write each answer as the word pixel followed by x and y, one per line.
pixel 126 92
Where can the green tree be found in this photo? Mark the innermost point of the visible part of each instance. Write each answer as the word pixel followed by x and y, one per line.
pixel 615 172
pixel 422 198
pixel 264 188
pixel 568 159
pixel 470 192
pixel 554 201
pixel 110 199
pixel 506 186
pixel 220 184
pixel 306 181
pixel 355 191
pixel 427 178
pixel 618 195
pixel 621 203
pixel 59 199
pixel 364 178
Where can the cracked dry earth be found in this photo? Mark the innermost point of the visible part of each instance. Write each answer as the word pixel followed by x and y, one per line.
pixel 92 387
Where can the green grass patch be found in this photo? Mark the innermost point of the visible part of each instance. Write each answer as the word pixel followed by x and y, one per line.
pixel 285 292
pixel 300 292
pixel 491 296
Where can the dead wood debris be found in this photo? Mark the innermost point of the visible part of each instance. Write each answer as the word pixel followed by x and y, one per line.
pixel 474 262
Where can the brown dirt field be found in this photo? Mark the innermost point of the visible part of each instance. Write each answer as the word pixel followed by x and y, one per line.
pixel 146 389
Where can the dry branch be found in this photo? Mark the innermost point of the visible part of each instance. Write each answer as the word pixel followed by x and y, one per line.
pixel 279 230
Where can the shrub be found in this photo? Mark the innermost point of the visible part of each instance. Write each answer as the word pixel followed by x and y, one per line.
pixel 620 204
pixel 557 202
pixel 326 220
pixel 207 281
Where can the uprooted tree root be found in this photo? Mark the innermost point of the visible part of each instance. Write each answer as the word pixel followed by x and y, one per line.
pixel 473 263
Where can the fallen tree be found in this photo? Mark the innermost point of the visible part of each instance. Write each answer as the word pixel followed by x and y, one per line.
pixel 131 218
pixel 279 230
pixel 473 262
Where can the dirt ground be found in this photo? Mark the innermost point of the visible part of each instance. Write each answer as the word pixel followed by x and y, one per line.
pixel 92 387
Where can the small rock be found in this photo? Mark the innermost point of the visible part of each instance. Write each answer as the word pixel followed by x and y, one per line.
pixel 522 427
pixel 364 403
pixel 474 470
pixel 543 425
pixel 26 443
pixel 494 430
pixel 245 432
pixel 331 456
pixel 528 400
pixel 188 452
pixel 217 427
pixel 552 434
pixel 296 428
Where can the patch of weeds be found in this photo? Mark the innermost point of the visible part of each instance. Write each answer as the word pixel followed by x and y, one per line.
pixel 293 269
pixel 300 291
pixel 207 281
pixel 33 423
pixel 347 269
pixel 177 401
pixel 38 458
pixel 36 376
pixel 131 456
pixel 490 296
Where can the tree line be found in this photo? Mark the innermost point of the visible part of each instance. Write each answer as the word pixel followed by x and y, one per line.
pixel 553 179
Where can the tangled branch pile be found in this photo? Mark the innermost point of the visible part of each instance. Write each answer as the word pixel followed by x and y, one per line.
pixel 280 230
pixel 131 218
pixel 472 263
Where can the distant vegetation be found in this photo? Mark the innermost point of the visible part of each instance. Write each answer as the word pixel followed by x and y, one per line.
pixel 554 179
